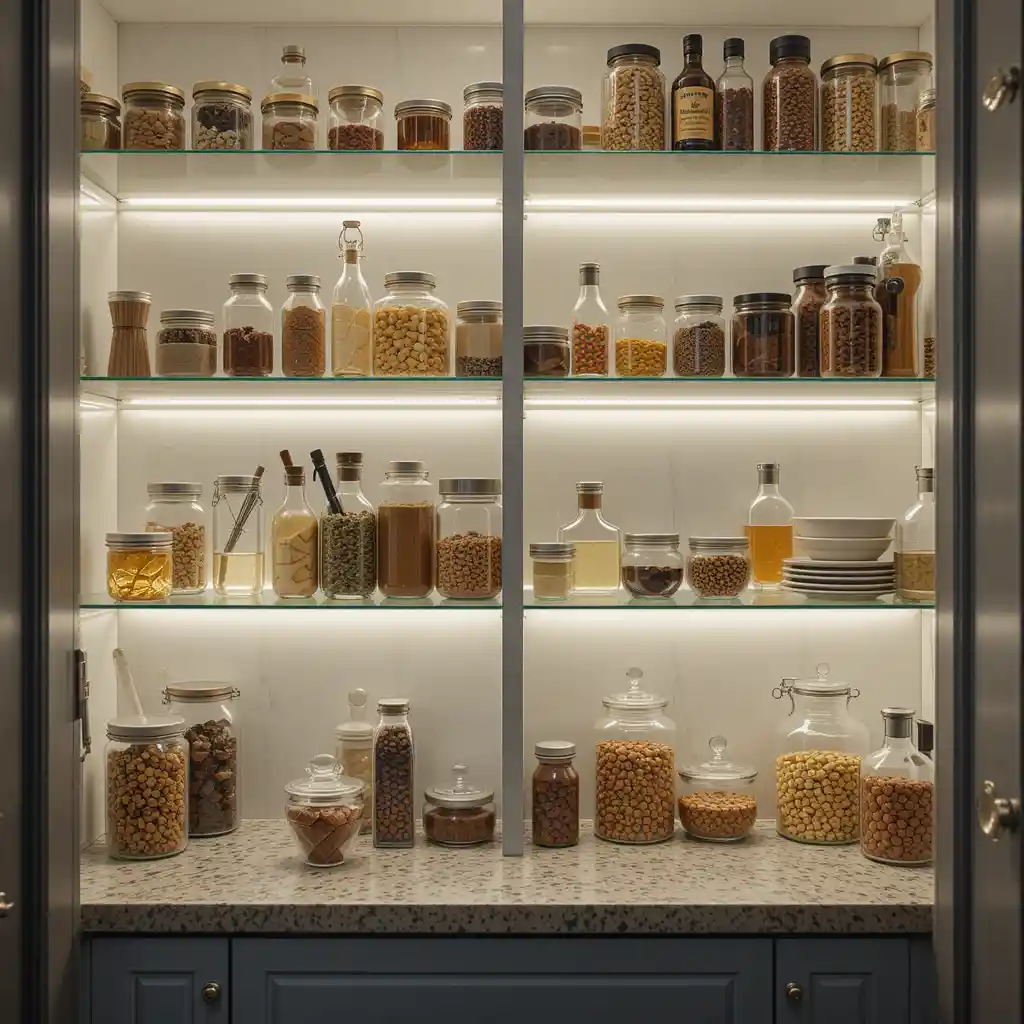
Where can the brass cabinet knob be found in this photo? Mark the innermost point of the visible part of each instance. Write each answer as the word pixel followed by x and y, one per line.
pixel 1002 88
pixel 997 814
pixel 211 991
pixel 794 993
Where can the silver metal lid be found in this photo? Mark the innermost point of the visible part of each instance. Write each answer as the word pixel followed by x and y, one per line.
pixel 174 488
pixel 819 685
pixel 460 793
pixel 660 540
pixel 716 768
pixel 479 307
pixel 545 332
pixel 474 89
pixel 145 727
pixel 420 277
pixel 625 301
pixel 252 280
pixel 925 473
pixel 768 472
pixel 590 273
pixel 393 706
pixel 203 317
pixel 552 549
pixel 406 466
pixel 634 699
pixel 201 693
pixel 898 722
pixel 129 297
pixel 302 282
pixel 349 459
pixel 683 301
pixel 590 487
pixel 564 93
pixel 864 270
pixel 152 539
pixel 228 482
pixel 712 543
pixel 469 486
pixel 294 50
pixel 428 106
pixel 554 750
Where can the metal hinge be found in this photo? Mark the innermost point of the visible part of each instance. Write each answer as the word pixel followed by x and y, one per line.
pixel 82 700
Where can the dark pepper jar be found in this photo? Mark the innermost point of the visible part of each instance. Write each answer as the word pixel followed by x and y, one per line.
pixel 763 328
pixel 810 297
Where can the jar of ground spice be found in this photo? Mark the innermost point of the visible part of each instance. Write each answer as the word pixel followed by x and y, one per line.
pixel 248 328
pixel 555 795
pixel 483 116
pixel 186 344
pixel 100 121
pixel 458 814
pixel 810 297
pixel 763 328
pixel 554 118
pixel 303 328
pixel 790 96
pixel 394 752
pixel 356 118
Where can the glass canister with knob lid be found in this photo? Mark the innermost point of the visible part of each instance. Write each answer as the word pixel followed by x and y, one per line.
pixel 458 814
pixel 635 783
pixel 716 800
pixel 324 811
pixel 354 750
pixel 817 772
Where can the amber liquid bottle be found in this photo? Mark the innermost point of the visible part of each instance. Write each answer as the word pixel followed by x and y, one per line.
pixel 770 529
pixel 694 118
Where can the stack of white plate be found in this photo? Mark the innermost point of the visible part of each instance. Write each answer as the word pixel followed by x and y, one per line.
pixel 838 580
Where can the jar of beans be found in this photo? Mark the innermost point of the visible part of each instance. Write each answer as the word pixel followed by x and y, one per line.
pixel 478 338
pixel 698 337
pixel 154 116
pixel 641 341
pixel 851 323
pixel 763 328
pixel 591 327
pixel 651 564
pixel 554 118
pixel 633 99
pixel 221 116
pixel 483 116
pixel 718 568
pixel 289 121
pixel 810 297
pixel 174 508
pixel 716 798
pixel 356 119
pixel 902 80
pixel 394 754
pixel 469 538
pixel 410 328
pixel 186 344
pixel 848 85
pixel 248 328
pixel 635 782
pixel 817 773
pixel 324 811
pixel 555 795
pixel 423 124
pixel 546 351
pixel 790 95
pixel 458 814
pixel 99 121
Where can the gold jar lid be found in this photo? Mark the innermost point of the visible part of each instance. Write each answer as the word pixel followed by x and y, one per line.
pixel 361 91
pixel 237 90
pixel 843 59
pixel 902 55
pixel 171 92
pixel 97 104
pixel 301 98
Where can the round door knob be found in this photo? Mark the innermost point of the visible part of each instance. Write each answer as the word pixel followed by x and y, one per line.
pixel 794 993
pixel 997 814
pixel 211 991
pixel 1002 88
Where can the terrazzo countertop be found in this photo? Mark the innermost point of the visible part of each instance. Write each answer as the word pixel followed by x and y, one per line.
pixel 255 881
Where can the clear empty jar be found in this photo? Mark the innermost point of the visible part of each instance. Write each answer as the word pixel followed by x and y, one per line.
pixel 221 116
pixel 458 814
pixel 423 124
pixel 554 118
pixel 903 77
pixel 356 118
pixel 718 568
pixel 469 538
pixel 641 347
pixel 848 87
pixel 289 121
pixel 186 344
pixel 716 798
pixel 248 328
pixel 478 338
pixel 790 95
pixel 926 123
pixel 154 116
pixel 238 538
pixel 698 337
pixel 483 116
pixel 100 122
pixel 555 795
pixel 139 566
pixel 651 564
pixel 851 323
pixel 633 97
pixel 174 508
pixel 410 328
pixel 554 571
pixel 763 329
pixel 546 351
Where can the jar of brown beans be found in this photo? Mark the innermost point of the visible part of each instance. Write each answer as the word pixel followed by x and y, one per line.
pixel 848 103
pixel 556 795
pixel 790 95
pixel 458 814
pixel 716 797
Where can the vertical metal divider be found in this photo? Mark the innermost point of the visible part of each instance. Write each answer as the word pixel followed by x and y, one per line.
pixel 512 210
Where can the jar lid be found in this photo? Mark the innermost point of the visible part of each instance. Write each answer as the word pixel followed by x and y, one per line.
pixel 718 542
pixel 683 301
pixel 552 549
pixel 474 89
pixel 290 97
pixel 421 277
pixel 238 90
pixel 129 297
pixel 360 91
pixel 201 693
pixel 624 301
pixel 460 792
pixel 406 466
pixel 634 699
pixel 302 282
pixel 479 307
pixel 393 706
pixel 293 50
pixel 716 768
pixel 324 783
pixel 563 93
pixel 428 106
pixel 101 104
pixel 864 270
pixel 927 98
pixel 819 685
pixel 659 540
pixel 634 50
pixel 145 727
pixel 812 272
pixel 171 91
pixel 355 730
pixel 554 750
pixel 789 46
pixel 546 332
pixel 152 539
pixel 174 488
pixel 470 486
pixel 590 487
pixel 902 55
pixel 241 482
pixel 748 298
pixel 199 316
pixel 845 59
pixel 257 280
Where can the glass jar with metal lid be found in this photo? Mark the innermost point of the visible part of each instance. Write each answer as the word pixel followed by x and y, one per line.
pixel 324 811
pixel 289 121
pixel 100 122
pixel 469 538
pixel 303 328
pixel 186 344
pixel 554 570
pixel 902 77
pixel 459 814
pixel 221 116
pixel 651 564
pixel 716 798
pixel 478 338
pixel 641 345
pixel 555 794
pixel 718 568
pixel 410 328
pixel 633 99
pixel 698 337
pixel 546 351
pixel 394 762
pixel 851 323
pixel 817 771
pixel 139 566
pixel 483 115
pixel 356 118
pixel 423 124
pixel 406 528
pixel 174 508
pixel 848 94
pixel 554 118
pixel 211 728
pixel 248 328
pixel 154 116
pixel 238 538
pixel 635 784
pixel 810 297
pixel 763 329
pixel 926 122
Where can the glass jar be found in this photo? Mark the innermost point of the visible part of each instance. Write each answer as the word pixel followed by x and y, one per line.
pixel 735 94
pixel 897 796
pixel 469 538
pixel 817 773
pixel 292 76
pixel 394 761
pixel 129 345
pixel 348 539
pixel 154 116
pixel 406 524
pixel 641 346
pixel 186 344
pixel 294 540
pixel 810 297
pixel 636 767
pixel 289 121
pixel 99 122
pixel 546 351
pixel 790 95
pixel 848 86
pixel 325 811
pixel 423 124
pixel 410 328
pixel 554 571
pixel 555 793
pixel 597 562
pixel 926 122
pixel 633 99
pixel 478 338
pixel 221 116
pixel 591 327
pixel 554 118
pixel 651 564
pixel 174 508
pixel 698 337
pixel 211 729
pixel 851 323
pixel 351 310
pixel 248 328
pixel 139 566
pixel 356 119
pixel 763 329
pixel 915 543
pixel 238 552
pixel 303 328
pixel 718 568
pixel 903 77
pixel 146 814
pixel 483 125
pixel 354 751
pixel 458 814
pixel 716 799
pixel 591 138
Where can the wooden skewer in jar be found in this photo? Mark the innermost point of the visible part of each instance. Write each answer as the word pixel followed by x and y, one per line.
pixel 129 348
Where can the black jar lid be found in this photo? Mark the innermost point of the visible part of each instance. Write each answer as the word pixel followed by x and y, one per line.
pixel 733 47
pixel 789 46
pixel 634 50
pixel 751 297
pixel 813 272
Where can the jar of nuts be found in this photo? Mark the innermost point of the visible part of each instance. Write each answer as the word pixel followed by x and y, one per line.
pixel 817 774
pixel 897 796
pixel 174 508
pixel 718 568
pixel 716 800
pixel 324 810
pixel 633 98
pixel 410 328
pixel 221 116
pixel 555 795
pixel 154 116
pixel 641 345
pixel 790 96
pixel 848 84
pixel 458 814
pixel 902 80
pixel 469 538
pixel 635 781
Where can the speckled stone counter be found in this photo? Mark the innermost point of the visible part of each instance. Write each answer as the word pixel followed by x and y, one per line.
pixel 254 881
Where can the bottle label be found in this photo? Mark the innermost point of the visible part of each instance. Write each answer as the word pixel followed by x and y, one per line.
pixel 693 110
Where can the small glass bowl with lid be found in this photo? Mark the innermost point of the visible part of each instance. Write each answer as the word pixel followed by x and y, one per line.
pixel 356 119
pixel 139 566
pixel 221 116
pixel 325 811
pixel 554 118
pixel 100 122
pixel 652 566
pixel 483 123
pixel 423 124
pixel 289 121
pixel 716 798
pixel 154 116
pixel 718 568
pixel 546 351
pixel 458 814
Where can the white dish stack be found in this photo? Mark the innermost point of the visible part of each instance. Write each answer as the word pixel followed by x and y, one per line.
pixel 839 559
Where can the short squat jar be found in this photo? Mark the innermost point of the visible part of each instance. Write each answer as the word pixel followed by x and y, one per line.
pixel 478 338
pixel 221 116
pixel 458 814
pixel 554 118
pixel 698 337
pixel 289 121
pixel 546 351
pixel 469 538
pixel 652 566
pixel 423 124
pixel 851 323
pixel 718 568
pixel 186 344
pixel 356 119
pixel 248 328
pixel 763 330
pixel 641 345
pixel 716 797
pixel 154 116
pixel 555 793
pixel 100 122
pixel 411 328
pixel 848 103
pixel 483 116
pixel 139 566
pixel 174 508
pixel 790 95
pixel 554 571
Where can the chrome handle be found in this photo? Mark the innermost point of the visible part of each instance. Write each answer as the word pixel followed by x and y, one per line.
pixel 1002 88
pixel 794 993
pixel 211 991
pixel 5 906
pixel 997 814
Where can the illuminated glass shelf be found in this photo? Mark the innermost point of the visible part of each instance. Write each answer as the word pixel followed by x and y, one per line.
pixel 686 600
pixel 270 601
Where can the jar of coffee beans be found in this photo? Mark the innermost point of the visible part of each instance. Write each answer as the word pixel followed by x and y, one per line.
pixel 458 814
pixel 554 118
pixel 698 337
pixel 763 328
pixel 790 96
pixel 154 116
pixel 483 116
pixel 851 323
pixel 716 798
pixel 810 297
pixel 651 564
pixel 555 795
pixel 394 753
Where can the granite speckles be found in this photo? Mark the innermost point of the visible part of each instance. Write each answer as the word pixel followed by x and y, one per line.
pixel 254 881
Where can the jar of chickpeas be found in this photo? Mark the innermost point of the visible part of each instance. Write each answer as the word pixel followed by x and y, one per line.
pixel 641 341
pixel 716 797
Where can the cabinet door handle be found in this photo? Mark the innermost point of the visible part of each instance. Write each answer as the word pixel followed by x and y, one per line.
pixel 794 993
pixel 211 991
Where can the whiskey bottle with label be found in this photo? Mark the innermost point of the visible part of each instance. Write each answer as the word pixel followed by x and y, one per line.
pixel 694 120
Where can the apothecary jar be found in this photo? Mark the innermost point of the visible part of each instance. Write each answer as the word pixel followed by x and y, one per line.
pixel 324 811
pixel 716 796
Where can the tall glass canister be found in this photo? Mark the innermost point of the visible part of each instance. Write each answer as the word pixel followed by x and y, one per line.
pixel 174 508
pixel 348 539
pixel 406 528
pixel 238 542
pixel 394 756
pixel 351 310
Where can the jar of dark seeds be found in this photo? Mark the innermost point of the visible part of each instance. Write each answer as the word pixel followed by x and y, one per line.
pixel 555 795
pixel 554 118
pixel 810 297
pixel 718 568
pixel 790 96
pixel 763 328
pixel 482 118
pixel 546 351
pixel 698 337
pixel 478 338
pixel 851 323
pixel 221 116
pixel 458 814
pixel 348 539
pixel 651 564
pixel 394 818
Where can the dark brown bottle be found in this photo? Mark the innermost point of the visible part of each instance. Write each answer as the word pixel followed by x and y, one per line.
pixel 694 121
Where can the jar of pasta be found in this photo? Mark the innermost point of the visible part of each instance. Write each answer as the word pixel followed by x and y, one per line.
pixel 641 346
pixel 139 566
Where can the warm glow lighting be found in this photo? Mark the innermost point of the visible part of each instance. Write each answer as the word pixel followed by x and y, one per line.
pixel 318 403
pixel 713 204
pixel 720 403
pixel 293 202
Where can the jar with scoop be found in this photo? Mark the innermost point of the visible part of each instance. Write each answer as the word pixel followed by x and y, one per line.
pixel 351 310
pixel 716 797
pixel 238 551
pixel 324 811
pixel 348 535
pixel 458 814
pixel 354 750
pixel 294 534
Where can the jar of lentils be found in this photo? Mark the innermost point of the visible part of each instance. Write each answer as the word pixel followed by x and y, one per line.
pixel 555 792
pixel 221 116
pixel 718 568
pixel 554 118
pixel 810 297
pixel 633 99
pixel 716 798
pixel 410 328
pixel 903 78
pixel 423 124
pixel 154 116
pixel 100 122
pixel 790 95
pixel 641 345
pixel 186 344
pixel 763 329
pixel 483 116
pixel 356 119
pixel 851 323
pixel 698 337
pixel 289 121
pixel 848 95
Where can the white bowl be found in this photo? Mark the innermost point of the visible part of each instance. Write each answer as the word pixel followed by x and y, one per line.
pixel 835 527
pixel 842 549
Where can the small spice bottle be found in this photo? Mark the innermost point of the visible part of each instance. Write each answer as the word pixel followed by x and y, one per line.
pixel 458 814
pixel 394 753
pixel 554 573
pixel 555 795
pixel 810 297
pixel 303 328
pixel 100 120
pixel 423 124
pixel 139 566
pixel 483 116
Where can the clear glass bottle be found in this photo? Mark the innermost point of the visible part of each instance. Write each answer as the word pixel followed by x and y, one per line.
pixel 458 814
pixel 483 125
pixel 221 116
pixel 292 77
pixel 641 340
pixel 770 528
pixel 303 328
pixel 139 566
pixel 591 327
pixel 411 328
pixel 817 771
pixel 902 78
pixel 354 750
pixel 897 796
pixel 633 99
pixel 351 310
pixel 423 124
pixel 790 96
pixel 238 552
pixel 915 543
pixel 652 566
pixel 735 90
pixel 698 337
pixel 211 728
pixel 394 766
pixel 555 793
pixel 636 767
pixel 810 297
pixel 597 543
pixel 716 799
pixel 348 539
pixel 848 103
pixel 554 118
pixel 289 121
pixel 406 527
pixel 356 118
pixel 479 338
pixel 469 538
pixel 850 323
pixel 694 124
pixel 897 293
pixel 294 540
pixel 154 116
pixel 325 812
pixel 248 328
pixel 174 508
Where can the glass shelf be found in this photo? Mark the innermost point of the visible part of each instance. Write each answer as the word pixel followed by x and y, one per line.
pixel 269 600
pixel 686 600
